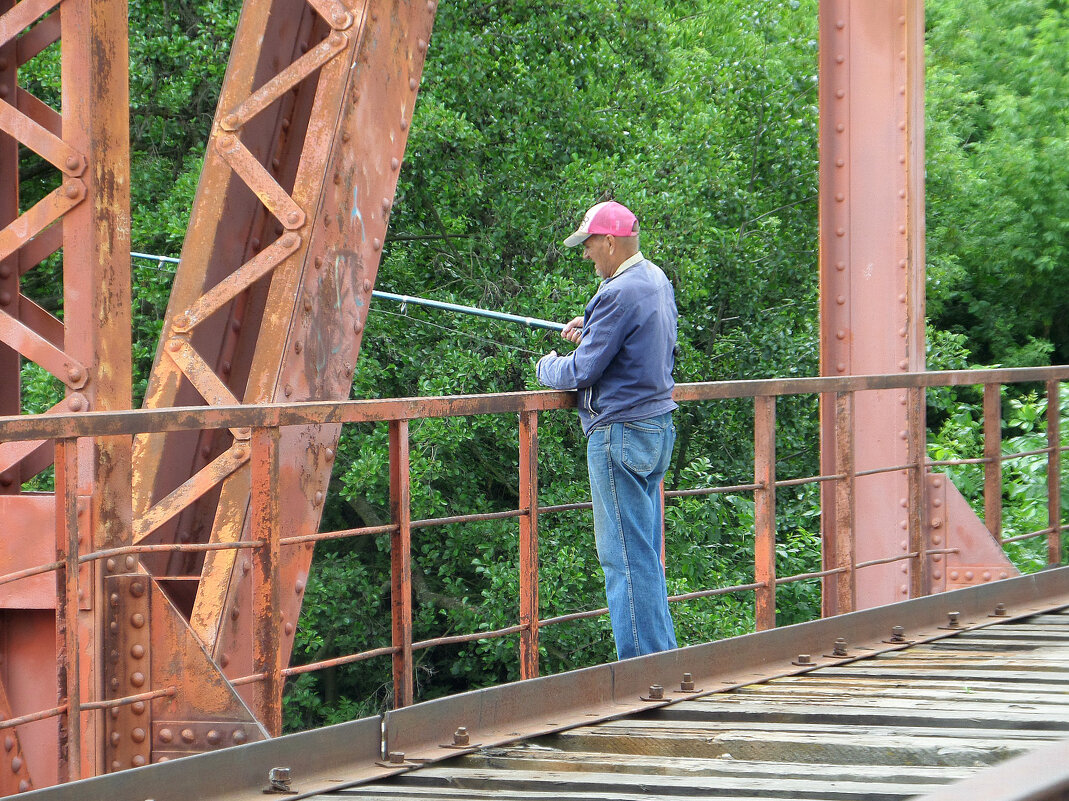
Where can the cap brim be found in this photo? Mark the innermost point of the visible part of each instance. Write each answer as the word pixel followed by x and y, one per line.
pixel 577 238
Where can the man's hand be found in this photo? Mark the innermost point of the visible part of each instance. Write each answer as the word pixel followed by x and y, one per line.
pixel 573 330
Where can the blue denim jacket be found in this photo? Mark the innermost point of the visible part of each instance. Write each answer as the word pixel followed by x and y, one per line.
pixel 623 364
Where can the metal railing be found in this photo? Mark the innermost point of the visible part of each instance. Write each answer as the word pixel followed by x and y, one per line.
pixel 266 540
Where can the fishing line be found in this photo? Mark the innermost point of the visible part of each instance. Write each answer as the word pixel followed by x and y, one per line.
pixel 458 332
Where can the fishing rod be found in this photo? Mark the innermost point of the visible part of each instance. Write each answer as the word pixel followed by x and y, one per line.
pixel 404 300
pixel 532 322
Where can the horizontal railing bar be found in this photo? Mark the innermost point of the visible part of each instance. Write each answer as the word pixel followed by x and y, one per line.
pixel 689 596
pixel 297 670
pixel 177 547
pixel 338 535
pixel 55 711
pixel 815 574
pixel 138 421
pixel 794 482
pixel 564 507
pixel 458 638
pixel 687 493
pixel 1048 530
pixel 30 571
pixel 886 560
pixel 445 521
pixel 1020 454
pixel 877 470
pixel 952 462
pixel 166 692
pixel 574 616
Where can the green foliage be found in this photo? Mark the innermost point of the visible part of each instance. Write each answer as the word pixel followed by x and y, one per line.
pixel 998 176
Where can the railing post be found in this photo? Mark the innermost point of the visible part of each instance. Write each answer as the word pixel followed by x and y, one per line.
pixel 529 544
pixel 67 662
pixel 267 600
pixel 920 582
pixel 765 511
pixel 993 459
pixel 840 589
pixel 1054 474
pixel 401 564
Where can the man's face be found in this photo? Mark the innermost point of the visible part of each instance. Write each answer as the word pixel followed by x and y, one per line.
pixel 599 248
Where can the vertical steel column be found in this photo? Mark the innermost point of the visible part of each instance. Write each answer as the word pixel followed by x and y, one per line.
pixel 529 544
pixel 993 459
pixel 840 589
pixel 265 528
pixel 1054 474
pixel 920 577
pixel 401 564
pixel 765 511
pixel 10 400
pixel 872 261
pixel 68 665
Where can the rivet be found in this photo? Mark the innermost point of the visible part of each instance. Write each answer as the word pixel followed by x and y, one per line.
pixel 5 270
pixel 317 262
pixel 293 218
pixel 937 540
pixel 138 760
pixel 76 402
pixel 841 367
pixel 9 743
pixel 840 334
pixel 235 613
pixel 840 24
pixel 297 347
pixel 287 390
pixel 902 332
pixel 224 660
pixel 904 590
pixel 839 59
pixel 116 765
pixel 288 628
pixel 1002 574
pixel 937 557
pixel 116 738
pixel 937 483
pixel 285 123
pixel 902 125
pixel 901 159
pixel 968 575
pixel 421 45
pixel 903 365
pixel 307 304
pixel 113 599
pixel 71 190
pixel 839 198
pixel 246 566
pixel 137 620
pixel 412 83
pixel 188 736
pixel 404 124
pixel 358 326
pixel 138 707
pixel 840 93
pixel 239 737
pixel 902 193
pixel 901 229
pixel 376 243
pixel 138 735
pixel 114 682
pixel 986 576
pixel 840 127
pixel 137 589
pixel 937 523
pixel 902 298
pixel 137 651
pixel 174 345
pixel 394 163
pixel 329 454
pixel 213 737
pixel 138 679
pixel 903 524
pixel 840 265
pixel 299 586
pixel 840 163
pixel 841 299
pixel 255 243
pixel 840 232
pixel 317 498
pixel 166 735
pixel 114 712
pixel 114 627
pixel 24 785
pixel 953 575
pixel 386 204
pixel 937 574
pixel 902 264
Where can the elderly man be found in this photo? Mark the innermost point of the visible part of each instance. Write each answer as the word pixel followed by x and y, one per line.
pixel 623 371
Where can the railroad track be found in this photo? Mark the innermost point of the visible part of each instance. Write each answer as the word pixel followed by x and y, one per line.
pixel 890 726
pixel 894 702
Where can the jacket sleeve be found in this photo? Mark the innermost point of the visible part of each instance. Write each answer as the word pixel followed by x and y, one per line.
pixel 603 333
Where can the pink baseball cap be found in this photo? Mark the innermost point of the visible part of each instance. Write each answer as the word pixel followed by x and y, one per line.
pixel 609 217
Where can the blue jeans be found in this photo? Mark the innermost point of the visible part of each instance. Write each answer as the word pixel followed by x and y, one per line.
pixel 627 462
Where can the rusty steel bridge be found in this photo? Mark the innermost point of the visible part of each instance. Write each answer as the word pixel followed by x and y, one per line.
pixel 148 605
